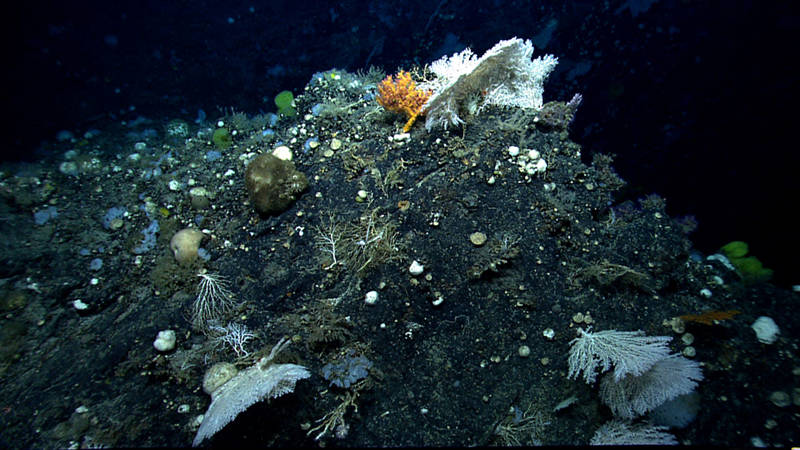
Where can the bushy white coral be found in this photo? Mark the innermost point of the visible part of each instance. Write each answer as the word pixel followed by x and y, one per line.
pixel 505 75
pixel 234 335
pixel 214 300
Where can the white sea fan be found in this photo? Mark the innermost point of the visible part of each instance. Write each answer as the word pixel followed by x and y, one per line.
pixel 630 352
pixel 505 75
pixel 633 396
pixel 620 433
pixel 252 385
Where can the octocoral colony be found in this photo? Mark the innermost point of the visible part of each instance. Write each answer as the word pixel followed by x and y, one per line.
pixel 400 94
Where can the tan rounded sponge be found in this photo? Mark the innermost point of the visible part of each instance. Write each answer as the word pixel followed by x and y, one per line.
pixel 184 245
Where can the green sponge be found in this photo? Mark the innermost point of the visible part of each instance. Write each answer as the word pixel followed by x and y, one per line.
pixel 735 249
pixel 285 103
pixel 222 138
pixel 749 267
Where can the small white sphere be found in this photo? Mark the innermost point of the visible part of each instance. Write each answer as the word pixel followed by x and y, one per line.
pixel 174 185
pixel 371 298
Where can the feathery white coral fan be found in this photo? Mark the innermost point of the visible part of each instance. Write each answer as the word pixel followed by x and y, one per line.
pixel 624 433
pixel 630 352
pixel 633 396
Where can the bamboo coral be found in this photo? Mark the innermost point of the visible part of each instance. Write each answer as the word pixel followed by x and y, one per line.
pixel 400 94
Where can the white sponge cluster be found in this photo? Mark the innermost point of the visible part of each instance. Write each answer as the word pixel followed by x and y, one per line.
pixel 766 329
pixel 165 341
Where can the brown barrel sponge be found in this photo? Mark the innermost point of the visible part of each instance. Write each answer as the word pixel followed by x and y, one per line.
pixel 273 184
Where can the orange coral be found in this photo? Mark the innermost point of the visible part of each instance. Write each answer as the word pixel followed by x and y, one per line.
pixel 401 95
pixel 710 317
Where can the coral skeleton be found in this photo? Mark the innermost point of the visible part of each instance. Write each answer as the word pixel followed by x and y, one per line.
pixel 505 76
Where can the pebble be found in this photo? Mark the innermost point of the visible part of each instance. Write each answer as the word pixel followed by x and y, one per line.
pixel 780 399
pixel 283 152
pixel 477 238
pixel 174 185
pixel 371 298
pixel 415 268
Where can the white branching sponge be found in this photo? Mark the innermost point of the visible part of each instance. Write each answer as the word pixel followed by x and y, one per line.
pixel 505 75
pixel 263 380
pixel 630 352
